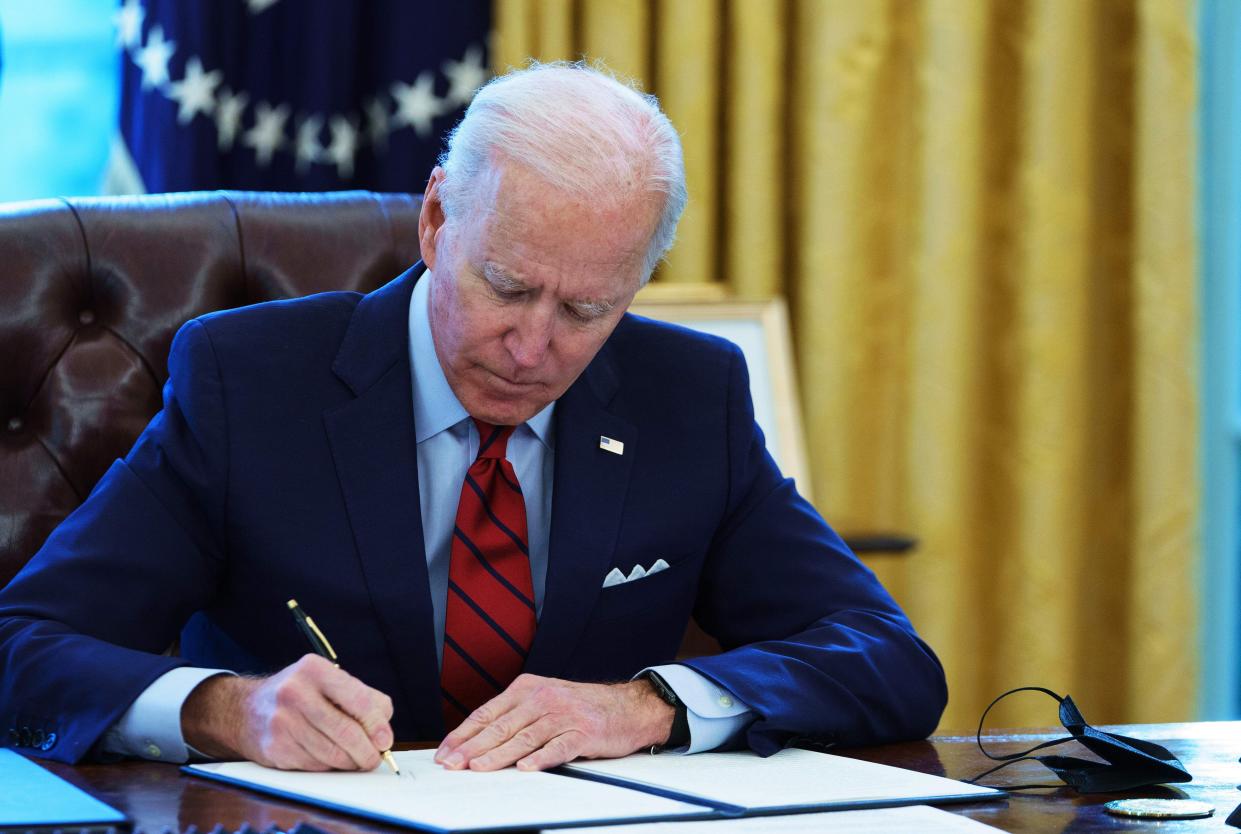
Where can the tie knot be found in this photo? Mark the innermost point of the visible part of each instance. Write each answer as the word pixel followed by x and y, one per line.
pixel 492 440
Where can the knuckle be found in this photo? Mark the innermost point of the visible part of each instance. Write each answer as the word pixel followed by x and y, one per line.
pixel 500 728
pixel 560 749
pixel 307 664
pixel 527 739
pixel 341 760
pixel 278 727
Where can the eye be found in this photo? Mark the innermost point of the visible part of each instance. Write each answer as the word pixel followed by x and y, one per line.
pixel 576 314
pixel 504 293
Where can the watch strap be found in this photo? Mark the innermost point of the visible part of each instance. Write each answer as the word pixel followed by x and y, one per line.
pixel 679 737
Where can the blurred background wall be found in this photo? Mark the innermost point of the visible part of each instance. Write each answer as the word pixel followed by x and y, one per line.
pixel 1003 228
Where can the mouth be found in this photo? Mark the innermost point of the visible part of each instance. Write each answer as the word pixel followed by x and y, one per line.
pixel 505 382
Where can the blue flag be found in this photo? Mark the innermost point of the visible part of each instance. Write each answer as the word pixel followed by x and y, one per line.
pixel 294 95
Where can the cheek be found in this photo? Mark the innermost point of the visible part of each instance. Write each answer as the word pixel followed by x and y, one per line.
pixel 577 348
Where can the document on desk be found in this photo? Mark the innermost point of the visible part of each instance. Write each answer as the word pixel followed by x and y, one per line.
pixel 428 797
pixel 791 780
pixel 33 797
pixel 921 818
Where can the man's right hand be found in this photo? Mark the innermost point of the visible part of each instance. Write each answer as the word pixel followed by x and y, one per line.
pixel 309 716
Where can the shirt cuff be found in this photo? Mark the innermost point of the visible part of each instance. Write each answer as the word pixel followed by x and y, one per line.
pixel 716 716
pixel 151 727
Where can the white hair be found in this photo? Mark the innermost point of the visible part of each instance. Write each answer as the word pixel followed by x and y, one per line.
pixel 578 129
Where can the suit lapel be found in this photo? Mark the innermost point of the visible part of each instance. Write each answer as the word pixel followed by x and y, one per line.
pixel 372 441
pixel 587 502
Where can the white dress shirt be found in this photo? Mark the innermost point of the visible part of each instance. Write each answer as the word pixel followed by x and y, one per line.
pixel 447 443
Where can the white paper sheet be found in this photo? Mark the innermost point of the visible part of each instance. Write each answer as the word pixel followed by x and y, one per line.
pixel 426 795
pixel 789 778
pixel 920 818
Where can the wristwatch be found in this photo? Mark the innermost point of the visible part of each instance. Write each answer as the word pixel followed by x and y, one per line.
pixel 679 737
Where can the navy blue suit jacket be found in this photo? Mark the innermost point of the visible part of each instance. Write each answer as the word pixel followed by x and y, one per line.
pixel 283 465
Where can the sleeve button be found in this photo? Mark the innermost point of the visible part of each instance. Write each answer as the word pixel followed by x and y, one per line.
pixel 725 701
pixel 152 750
pixel 14 424
pixel 87 317
pixel 49 742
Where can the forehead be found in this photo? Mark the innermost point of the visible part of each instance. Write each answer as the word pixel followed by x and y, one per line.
pixel 541 236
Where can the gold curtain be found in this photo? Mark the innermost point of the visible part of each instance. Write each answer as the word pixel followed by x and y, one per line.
pixel 982 214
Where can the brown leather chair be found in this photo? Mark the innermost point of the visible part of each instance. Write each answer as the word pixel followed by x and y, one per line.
pixel 93 290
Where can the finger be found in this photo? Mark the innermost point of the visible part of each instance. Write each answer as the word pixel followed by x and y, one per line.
pixel 337 738
pixel 283 745
pixel 369 707
pixel 322 752
pixel 477 722
pixel 525 741
pixel 556 751
pixel 339 741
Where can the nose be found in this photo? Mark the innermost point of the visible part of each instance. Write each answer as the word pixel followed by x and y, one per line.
pixel 530 338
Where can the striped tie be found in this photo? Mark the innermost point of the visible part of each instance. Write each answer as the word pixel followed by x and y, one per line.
pixel 489 619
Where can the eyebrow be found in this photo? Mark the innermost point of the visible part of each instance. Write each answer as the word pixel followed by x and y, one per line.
pixel 499 278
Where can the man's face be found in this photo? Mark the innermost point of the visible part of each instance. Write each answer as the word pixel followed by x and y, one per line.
pixel 527 289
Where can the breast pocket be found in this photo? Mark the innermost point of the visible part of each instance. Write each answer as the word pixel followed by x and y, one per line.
pixel 671 588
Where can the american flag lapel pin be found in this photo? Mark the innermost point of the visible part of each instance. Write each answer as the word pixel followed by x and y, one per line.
pixel 607 444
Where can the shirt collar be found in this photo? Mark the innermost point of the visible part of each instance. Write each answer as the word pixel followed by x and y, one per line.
pixel 436 407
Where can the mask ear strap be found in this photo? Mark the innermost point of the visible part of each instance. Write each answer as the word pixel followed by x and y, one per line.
pixel 1001 766
pixel 1024 754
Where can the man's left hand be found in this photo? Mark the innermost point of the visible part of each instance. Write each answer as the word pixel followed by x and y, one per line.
pixel 539 723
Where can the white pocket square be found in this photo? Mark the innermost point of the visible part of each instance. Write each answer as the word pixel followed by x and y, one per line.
pixel 615 577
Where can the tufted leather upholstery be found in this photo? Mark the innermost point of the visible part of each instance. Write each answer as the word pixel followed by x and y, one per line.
pixel 93 290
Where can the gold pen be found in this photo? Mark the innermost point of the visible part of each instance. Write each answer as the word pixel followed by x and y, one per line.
pixel 320 645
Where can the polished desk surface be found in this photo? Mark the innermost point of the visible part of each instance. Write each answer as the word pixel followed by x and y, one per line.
pixel 159 798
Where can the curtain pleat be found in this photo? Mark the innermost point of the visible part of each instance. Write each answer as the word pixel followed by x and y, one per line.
pixel 982 215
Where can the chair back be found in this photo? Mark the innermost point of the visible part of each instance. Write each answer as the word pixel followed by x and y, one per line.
pixel 93 290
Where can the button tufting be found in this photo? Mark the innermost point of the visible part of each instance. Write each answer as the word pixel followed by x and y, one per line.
pixel 14 424
pixel 87 317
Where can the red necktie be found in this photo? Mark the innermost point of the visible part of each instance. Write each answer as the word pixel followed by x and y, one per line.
pixel 489 619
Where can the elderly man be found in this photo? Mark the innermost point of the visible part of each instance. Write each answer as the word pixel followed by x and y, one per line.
pixel 501 496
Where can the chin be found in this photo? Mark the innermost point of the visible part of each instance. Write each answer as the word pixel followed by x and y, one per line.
pixel 501 412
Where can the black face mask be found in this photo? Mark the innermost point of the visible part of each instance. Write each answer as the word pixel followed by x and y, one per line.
pixel 1128 762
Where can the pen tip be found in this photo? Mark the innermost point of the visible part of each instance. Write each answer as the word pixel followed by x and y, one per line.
pixel 292 604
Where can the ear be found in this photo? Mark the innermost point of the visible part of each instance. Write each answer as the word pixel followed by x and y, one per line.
pixel 431 218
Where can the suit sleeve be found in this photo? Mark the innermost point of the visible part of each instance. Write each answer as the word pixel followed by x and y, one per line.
pixel 84 625
pixel 813 642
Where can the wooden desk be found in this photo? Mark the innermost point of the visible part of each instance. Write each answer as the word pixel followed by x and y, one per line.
pixel 160 799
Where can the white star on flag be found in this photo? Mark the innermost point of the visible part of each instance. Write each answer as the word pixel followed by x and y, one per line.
pixel 196 92
pixel 308 147
pixel 377 117
pixel 465 76
pixel 128 22
pixel 153 58
pixel 267 135
pixel 344 145
pixel 416 104
pixel 228 109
